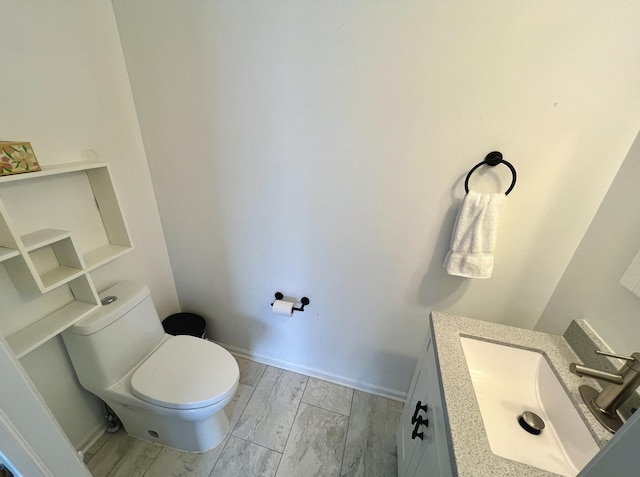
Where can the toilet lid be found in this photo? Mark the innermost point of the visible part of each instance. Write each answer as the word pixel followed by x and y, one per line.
pixel 186 372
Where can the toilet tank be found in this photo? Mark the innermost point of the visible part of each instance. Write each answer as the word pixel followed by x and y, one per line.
pixel 114 339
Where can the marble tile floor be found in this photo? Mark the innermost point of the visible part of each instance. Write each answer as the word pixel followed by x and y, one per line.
pixel 282 424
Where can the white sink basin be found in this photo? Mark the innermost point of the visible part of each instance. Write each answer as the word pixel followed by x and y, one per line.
pixel 508 381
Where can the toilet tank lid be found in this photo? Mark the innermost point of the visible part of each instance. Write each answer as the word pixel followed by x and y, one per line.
pixel 128 293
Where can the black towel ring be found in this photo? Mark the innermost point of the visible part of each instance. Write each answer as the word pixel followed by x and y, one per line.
pixel 493 159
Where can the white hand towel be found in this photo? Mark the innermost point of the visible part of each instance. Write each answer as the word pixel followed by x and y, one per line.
pixel 474 235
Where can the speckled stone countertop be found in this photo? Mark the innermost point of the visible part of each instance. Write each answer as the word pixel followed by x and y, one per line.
pixel 471 451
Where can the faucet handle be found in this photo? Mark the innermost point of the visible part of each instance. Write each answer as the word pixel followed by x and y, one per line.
pixel 614 355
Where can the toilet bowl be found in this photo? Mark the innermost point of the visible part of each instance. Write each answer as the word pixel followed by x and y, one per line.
pixel 166 389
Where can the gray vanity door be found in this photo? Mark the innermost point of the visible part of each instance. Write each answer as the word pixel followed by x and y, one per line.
pixel 417 437
pixel 411 435
pixel 422 436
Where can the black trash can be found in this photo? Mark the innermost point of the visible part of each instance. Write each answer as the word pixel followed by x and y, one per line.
pixel 185 324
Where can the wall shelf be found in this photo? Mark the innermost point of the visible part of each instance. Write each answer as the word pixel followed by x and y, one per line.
pixel 70 264
pixel 7 253
pixel 31 337
pixel 54 169
pixel 46 259
pixel 42 238
pixel 98 257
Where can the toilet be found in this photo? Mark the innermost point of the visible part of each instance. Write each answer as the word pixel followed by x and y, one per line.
pixel 166 389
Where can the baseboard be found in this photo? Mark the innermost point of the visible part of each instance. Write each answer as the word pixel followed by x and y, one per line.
pixel 97 433
pixel 316 373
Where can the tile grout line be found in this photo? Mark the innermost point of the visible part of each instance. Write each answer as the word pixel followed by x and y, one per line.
pixel 324 409
pixel 259 445
pixel 330 410
pixel 104 446
pixel 249 400
pixel 246 404
pixel 218 458
pixel 261 374
pixel 243 409
pixel 110 435
pixel 154 459
pixel 227 438
pixel 346 434
pixel 292 423
pixel 230 431
pixel 248 442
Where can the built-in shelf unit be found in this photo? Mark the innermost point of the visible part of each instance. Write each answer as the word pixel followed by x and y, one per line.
pixel 43 260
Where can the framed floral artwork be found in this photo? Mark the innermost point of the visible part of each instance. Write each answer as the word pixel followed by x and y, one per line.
pixel 16 158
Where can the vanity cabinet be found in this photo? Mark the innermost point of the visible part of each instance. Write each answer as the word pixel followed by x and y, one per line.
pixel 84 229
pixel 422 436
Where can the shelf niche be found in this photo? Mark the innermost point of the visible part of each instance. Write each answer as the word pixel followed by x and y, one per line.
pixel 86 300
pixel 45 259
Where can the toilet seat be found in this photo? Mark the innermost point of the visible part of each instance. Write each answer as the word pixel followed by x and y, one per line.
pixel 186 373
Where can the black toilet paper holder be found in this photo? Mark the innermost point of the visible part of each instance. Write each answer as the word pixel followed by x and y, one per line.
pixel 304 301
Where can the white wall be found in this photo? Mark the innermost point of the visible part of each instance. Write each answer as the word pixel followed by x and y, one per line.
pixel 65 89
pixel 319 148
pixel 29 436
pixel 590 287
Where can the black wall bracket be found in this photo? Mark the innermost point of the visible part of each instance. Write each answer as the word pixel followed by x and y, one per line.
pixel 304 301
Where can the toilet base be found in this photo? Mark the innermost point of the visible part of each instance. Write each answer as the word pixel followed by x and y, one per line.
pixel 187 435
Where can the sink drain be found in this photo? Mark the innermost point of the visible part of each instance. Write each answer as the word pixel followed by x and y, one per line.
pixel 531 422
